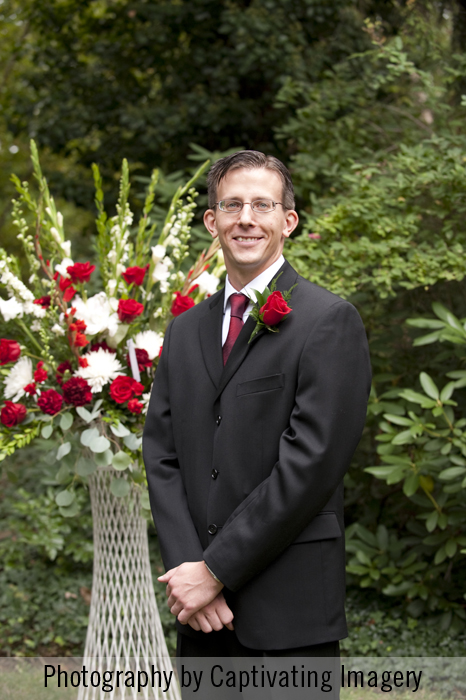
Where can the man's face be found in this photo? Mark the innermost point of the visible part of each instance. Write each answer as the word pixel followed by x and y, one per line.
pixel 251 241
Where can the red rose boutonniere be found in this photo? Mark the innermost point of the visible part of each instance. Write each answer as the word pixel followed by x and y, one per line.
pixel 271 308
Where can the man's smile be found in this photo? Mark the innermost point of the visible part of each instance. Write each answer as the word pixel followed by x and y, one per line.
pixel 247 239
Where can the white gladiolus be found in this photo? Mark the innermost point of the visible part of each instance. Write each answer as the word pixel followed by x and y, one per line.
pixel 103 367
pixel 150 341
pixel 19 377
pixel 167 262
pixel 35 309
pixel 61 268
pixel 57 329
pixel 60 219
pixel 207 282
pixel 55 235
pixel 66 248
pixel 160 272
pixel 97 314
pixel 145 398
pixel 158 253
pixel 11 309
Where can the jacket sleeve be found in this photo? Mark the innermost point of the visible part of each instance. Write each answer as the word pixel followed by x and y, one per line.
pixel 314 451
pixel 178 538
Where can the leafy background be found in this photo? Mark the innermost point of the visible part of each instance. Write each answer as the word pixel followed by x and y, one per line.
pixel 365 100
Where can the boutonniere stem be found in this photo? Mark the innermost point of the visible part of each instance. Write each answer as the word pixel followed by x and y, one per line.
pixel 271 308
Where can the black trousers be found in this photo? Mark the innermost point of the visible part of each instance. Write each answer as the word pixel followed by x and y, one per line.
pixel 217 666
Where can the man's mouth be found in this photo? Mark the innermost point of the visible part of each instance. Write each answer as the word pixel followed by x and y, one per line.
pixel 243 239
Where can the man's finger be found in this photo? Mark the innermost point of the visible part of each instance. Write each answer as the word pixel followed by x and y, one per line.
pixel 203 622
pixel 192 622
pixel 167 575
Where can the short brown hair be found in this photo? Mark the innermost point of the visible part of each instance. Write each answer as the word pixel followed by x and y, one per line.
pixel 249 160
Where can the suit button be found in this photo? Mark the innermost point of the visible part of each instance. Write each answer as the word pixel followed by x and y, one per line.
pixel 214 473
pixel 218 420
pixel 212 529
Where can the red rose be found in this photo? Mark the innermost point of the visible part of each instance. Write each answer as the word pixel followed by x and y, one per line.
pixel 124 388
pixel 142 357
pixel 12 414
pixel 77 391
pixel 43 301
pixel 40 375
pixel 83 362
pixel 61 369
pixel 129 309
pixel 80 272
pixel 50 402
pixel 275 309
pixel 135 406
pixel 181 304
pixel 9 351
pixel 30 389
pixel 134 275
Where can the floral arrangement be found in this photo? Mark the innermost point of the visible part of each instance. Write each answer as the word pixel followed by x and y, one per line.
pixel 80 341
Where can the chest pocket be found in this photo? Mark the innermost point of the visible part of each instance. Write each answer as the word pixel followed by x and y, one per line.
pixel 254 386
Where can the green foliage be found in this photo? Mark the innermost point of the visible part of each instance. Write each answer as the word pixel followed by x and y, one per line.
pixel 377 627
pixel 382 160
pixel 422 453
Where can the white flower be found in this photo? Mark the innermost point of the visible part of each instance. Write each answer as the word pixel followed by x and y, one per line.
pixel 145 398
pixel 158 253
pixel 66 248
pixel 11 309
pixel 160 273
pixel 59 330
pixel 19 377
pixel 166 261
pixel 55 235
pixel 111 287
pixel 61 269
pixel 97 314
pixel 35 309
pixel 207 282
pixel 102 368
pixel 35 326
pixel 149 341
pixel 60 219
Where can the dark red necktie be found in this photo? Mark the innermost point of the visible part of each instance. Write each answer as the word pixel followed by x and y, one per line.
pixel 238 303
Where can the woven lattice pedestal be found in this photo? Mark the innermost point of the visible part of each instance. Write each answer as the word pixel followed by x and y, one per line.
pixel 124 630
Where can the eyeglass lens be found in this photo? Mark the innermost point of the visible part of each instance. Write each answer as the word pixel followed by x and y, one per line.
pixel 233 206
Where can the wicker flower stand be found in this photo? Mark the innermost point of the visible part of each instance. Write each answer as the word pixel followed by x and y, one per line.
pixel 124 633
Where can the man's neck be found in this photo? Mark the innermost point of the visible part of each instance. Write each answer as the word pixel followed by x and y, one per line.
pixel 239 281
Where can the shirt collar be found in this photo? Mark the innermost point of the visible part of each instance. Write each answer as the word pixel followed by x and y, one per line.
pixel 259 283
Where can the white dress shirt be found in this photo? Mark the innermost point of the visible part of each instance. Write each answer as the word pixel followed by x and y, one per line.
pixel 259 283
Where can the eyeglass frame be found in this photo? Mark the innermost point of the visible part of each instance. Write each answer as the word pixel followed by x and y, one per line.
pixel 250 204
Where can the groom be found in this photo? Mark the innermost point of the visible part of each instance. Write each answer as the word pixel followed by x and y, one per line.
pixel 246 443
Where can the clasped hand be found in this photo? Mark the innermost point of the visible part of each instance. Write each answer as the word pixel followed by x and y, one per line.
pixel 195 597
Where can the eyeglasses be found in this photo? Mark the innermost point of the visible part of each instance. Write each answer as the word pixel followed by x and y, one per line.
pixel 233 206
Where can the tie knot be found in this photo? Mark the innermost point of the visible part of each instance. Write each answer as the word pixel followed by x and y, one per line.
pixel 238 303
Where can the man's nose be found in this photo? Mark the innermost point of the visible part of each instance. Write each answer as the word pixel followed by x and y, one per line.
pixel 246 214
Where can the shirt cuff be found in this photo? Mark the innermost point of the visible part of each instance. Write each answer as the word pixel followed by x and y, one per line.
pixel 212 573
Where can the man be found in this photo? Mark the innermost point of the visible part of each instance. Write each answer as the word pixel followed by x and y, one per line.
pixel 246 443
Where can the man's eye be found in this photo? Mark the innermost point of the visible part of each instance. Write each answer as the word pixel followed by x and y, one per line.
pixel 263 204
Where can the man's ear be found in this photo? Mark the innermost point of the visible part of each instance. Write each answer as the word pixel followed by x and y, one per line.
pixel 291 221
pixel 210 222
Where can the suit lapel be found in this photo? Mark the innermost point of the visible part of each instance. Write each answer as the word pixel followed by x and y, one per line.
pixel 241 347
pixel 210 332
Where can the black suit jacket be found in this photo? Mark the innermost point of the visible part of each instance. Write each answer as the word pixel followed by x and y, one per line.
pixel 245 462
